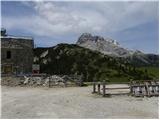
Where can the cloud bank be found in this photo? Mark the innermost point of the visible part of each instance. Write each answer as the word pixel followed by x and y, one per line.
pixel 63 18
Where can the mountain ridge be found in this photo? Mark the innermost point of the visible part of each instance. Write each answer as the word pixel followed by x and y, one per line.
pixel 105 45
pixel 68 59
pixel 111 47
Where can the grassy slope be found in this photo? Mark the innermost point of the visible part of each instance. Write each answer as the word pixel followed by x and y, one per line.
pixel 73 59
pixel 153 71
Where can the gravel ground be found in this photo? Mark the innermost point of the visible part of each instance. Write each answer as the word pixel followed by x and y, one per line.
pixel 72 102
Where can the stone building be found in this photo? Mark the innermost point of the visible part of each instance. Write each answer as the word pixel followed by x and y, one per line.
pixel 16 54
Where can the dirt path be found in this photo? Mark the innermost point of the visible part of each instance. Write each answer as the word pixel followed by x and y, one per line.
pixel 72 102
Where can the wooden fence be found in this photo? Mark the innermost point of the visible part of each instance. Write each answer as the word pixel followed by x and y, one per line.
pixel 135 88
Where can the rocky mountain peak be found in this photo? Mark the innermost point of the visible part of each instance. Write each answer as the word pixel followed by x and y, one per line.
pixel 88 37
pixel 112 48
pixel 105 45
pixel 138 52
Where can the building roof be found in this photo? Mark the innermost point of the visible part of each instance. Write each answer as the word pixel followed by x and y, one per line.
pixel 17 37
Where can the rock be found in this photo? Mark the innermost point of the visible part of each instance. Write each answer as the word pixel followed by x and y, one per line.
pixel 107 46
pixel 31 82
pixel 46 81
pixel 38 81
pixel 54 80
pixel 44 54
pixel 26 81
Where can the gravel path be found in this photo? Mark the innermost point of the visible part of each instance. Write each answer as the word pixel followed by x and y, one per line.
pixel 72 102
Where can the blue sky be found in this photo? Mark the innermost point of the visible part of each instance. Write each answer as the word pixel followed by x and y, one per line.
pixel 133 24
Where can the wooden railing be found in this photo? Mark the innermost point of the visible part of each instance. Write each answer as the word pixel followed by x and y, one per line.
pixel 135 88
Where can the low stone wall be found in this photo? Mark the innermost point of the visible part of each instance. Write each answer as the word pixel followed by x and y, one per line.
pixel 50 81
pixel 10 81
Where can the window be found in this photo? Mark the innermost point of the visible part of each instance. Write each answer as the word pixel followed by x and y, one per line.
pixel 8 54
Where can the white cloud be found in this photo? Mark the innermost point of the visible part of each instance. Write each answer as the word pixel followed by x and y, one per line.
pixel 61 18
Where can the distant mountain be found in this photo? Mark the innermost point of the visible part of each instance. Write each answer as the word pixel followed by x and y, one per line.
pixel 70 59
pixel 112 48
pixel 141 59
pixel 107 46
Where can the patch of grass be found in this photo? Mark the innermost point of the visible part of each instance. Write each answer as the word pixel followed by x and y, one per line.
pixel 153 71
pixel 88 83
pixel 84 85
pixel 119 80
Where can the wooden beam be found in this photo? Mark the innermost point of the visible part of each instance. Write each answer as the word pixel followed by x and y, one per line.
pixel 119 88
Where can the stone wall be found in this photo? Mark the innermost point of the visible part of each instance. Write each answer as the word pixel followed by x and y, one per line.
pixel 21 55
pixel 48 81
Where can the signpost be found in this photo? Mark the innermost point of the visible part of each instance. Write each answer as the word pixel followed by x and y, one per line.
pixel 35 68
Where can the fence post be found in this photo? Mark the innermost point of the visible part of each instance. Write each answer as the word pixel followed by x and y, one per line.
pixel 131 89
pixel 94 87
pixel 104 89
pixel 131 86
pixel 99 88
pixel 49 83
